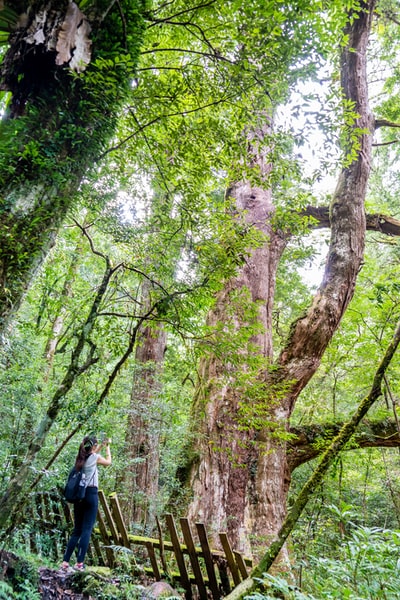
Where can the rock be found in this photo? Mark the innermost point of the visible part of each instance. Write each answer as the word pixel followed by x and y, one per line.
pixel 160 589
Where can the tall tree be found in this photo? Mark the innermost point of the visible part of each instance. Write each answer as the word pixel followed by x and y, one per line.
pixel 239 472
pixel 68 72
pixel 144 423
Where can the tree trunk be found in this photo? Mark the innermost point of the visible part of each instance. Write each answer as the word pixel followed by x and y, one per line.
pixel 240 475
pixel 144 423
pixel 226 492
pixel 57 124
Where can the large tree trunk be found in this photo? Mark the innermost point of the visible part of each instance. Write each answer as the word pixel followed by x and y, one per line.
pixel 57 124
pixel 240 476
pixel 226 493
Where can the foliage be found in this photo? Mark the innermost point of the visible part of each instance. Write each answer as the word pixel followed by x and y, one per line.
pixel 20 581
pixel 203 72
pixel 365 566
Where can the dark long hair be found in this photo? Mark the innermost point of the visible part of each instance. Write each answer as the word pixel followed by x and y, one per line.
pixel 85 450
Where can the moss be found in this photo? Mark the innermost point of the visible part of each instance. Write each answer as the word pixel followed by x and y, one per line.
pixel 58 126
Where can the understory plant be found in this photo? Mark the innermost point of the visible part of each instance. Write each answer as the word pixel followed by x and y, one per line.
pixel 366 565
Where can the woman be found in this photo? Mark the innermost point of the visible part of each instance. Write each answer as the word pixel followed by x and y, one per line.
pixel 85 511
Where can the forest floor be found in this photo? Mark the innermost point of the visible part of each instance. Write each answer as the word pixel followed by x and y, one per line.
pixel 62 585
pixel 89 584
pixel 57 585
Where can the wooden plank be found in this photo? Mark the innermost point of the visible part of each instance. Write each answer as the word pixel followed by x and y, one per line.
pixel 241 564
pixel 184 577
pixel 153 560
pixel 67 512
pixel 106 539
pixel 108 518
pixel 208 559
pixel 194 561
pixel 230 558
pixel 97 548
pixel 162 544
pixel 119 520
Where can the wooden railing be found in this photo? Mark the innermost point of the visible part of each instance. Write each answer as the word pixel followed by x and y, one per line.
pixel 184 558
pixel 188 562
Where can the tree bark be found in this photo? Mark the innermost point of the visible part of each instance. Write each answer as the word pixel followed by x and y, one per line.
pixel 57 124
pixel 226 493
pixel 144 423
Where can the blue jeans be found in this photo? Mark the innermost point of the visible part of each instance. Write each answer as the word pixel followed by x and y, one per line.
pixel 85 513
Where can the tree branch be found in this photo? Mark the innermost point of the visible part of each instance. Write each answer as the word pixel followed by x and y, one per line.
pixel 385 123
pixel 165 116
pixel 389 143
pixel 178 14
pixel 375 222
pixel 312 440
pixel 211 55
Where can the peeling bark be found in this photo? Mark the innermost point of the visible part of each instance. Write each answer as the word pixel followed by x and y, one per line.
pixel 73 44
pixel 56 125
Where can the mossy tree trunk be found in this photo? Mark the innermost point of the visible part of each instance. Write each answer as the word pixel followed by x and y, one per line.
pixel 63 109
pixel 224 474
pixel 240 475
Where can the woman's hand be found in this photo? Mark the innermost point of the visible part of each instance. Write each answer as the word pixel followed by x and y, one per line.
pixel 107 460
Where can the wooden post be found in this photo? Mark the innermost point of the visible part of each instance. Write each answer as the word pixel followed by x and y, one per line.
pixel 153 560
pixel 241 564
pixel 119 521
pixel 162 548
pixel 184 577
pixel 97 549
pixel 106 539
pixel 230 558
pixel 194 561
pixel 208 559
pixel 108 517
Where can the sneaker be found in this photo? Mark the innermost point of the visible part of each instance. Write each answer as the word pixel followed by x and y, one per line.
pixel 79 567
pixel 64 566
